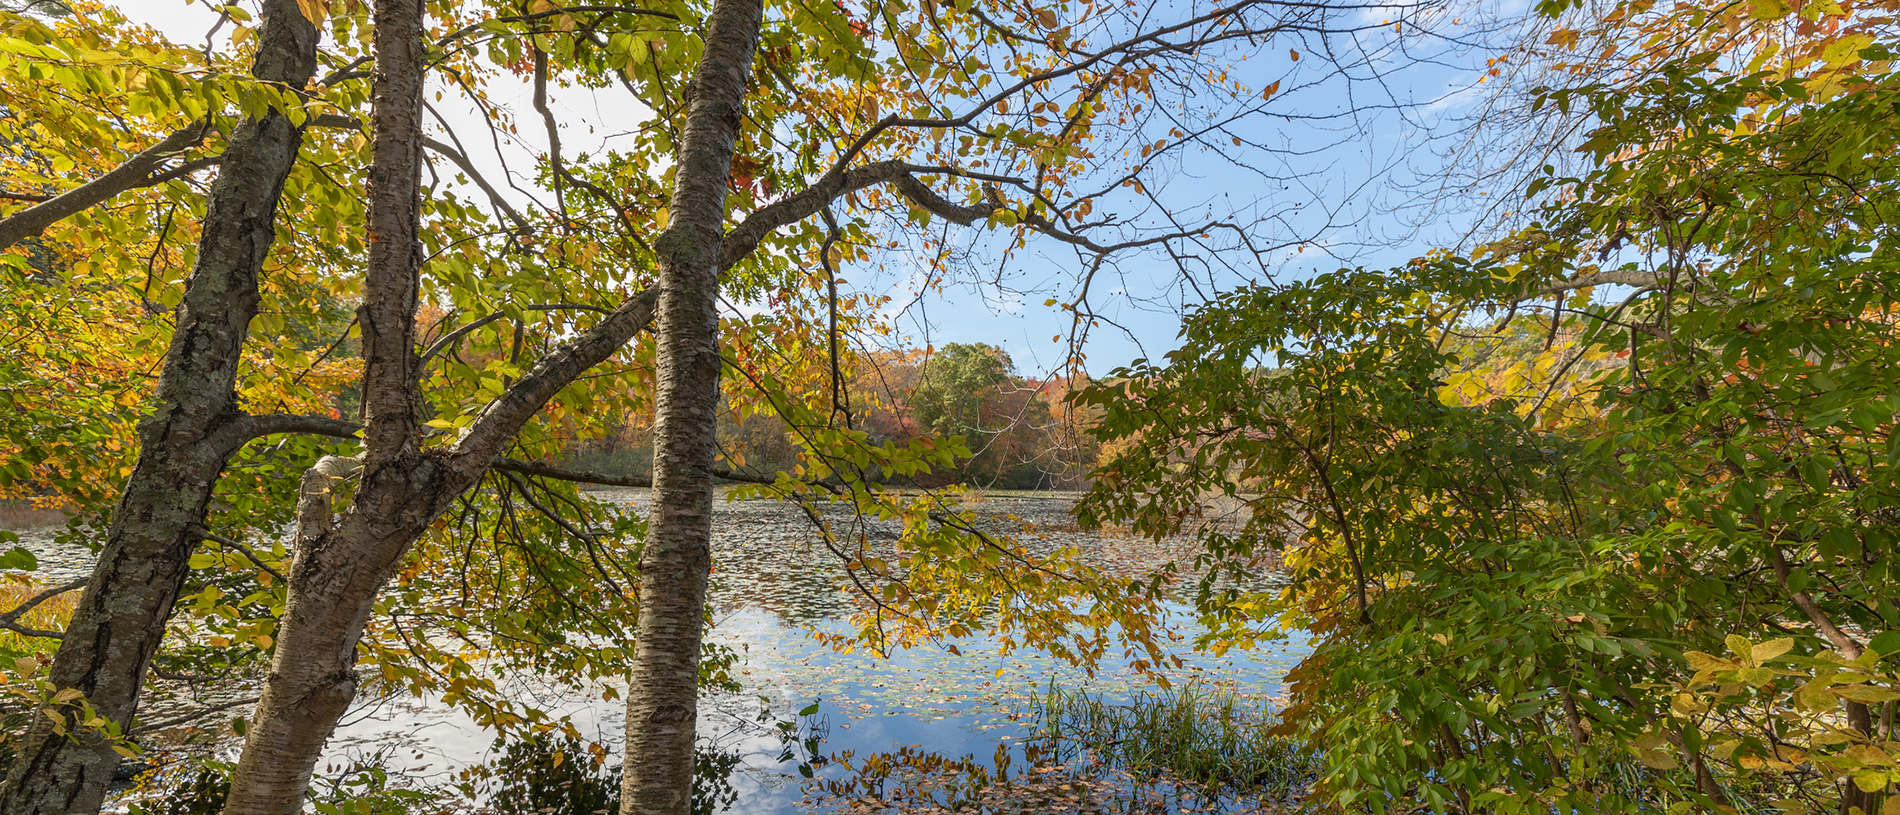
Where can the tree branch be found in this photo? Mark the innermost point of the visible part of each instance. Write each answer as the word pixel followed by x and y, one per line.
pixel 1641 280
pixel 542 470
pixel 10 620
pixel 499 422
pixel 1848 646
pixel 134 173
pixel 744 238
pixel 452 337
pixel 468 168
pixel 252 427
pixel 242 549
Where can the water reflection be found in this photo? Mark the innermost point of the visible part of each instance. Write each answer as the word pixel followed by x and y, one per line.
pixel 910 725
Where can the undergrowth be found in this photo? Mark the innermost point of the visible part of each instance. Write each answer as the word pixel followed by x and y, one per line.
pixel 49 615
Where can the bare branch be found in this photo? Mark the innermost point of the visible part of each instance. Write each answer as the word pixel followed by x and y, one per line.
pixel 461 162
pixel 252 427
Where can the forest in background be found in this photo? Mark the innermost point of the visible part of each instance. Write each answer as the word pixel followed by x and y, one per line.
pixel 1021 432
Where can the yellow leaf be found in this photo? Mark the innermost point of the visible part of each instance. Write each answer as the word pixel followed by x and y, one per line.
pixel 1771 649
pixel 314 10
pixel 1845 50
pixel 1709 662
pixel 1767 9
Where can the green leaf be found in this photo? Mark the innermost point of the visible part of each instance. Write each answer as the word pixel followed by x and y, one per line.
pixel 1886 643
pixel 19 559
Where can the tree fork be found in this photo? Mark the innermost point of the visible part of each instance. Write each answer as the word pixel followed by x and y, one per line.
pixel 183 448
pixel 340 567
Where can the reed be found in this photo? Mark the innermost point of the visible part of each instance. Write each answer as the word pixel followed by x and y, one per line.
pixel 1204 735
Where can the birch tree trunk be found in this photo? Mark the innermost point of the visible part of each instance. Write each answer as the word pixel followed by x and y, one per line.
pixel 339 568
pixel 342 563
pixel 194 427
pixel 662 700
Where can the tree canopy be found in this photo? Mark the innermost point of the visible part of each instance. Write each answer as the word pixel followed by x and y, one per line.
pixel 346 348
pixel 1637 553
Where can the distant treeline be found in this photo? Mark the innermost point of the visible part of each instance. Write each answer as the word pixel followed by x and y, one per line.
pixel 1019 430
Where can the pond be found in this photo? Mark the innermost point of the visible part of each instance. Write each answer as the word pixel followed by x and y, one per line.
pixel 919 713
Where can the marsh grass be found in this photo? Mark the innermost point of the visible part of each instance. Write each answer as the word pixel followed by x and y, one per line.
pixel 50 615
pixel 1206 736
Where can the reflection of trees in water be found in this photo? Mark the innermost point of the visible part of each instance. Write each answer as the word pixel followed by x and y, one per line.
pixel 561 775
pixel 768 556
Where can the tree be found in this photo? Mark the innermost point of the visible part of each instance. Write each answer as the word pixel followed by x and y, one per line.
pixel 972 392
pixel 891 124
pixel 1664 580
pixel 184 444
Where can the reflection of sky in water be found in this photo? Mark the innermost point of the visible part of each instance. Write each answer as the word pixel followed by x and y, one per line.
pixel 773 587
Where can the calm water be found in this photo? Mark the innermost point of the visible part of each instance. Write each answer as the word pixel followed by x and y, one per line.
pixel 774 586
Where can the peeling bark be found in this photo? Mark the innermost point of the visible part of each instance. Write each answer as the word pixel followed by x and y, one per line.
pixel 662 698
pixel 339 567
pixel 185 443
pixel 343 562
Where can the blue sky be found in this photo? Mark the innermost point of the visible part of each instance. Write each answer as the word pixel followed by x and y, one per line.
pixel 1345 160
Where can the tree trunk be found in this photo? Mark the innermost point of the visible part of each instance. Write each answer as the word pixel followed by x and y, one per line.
pixel 342 564
pixel 662 699
pixel 194 428
pixel 340 567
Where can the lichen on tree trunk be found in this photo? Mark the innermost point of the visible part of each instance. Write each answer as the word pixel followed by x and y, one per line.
pixel 193 429
pixel 340 566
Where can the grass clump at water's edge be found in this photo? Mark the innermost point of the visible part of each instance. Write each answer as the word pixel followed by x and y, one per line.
pixel 50 615
pixel 1207 736
pixel 31 513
